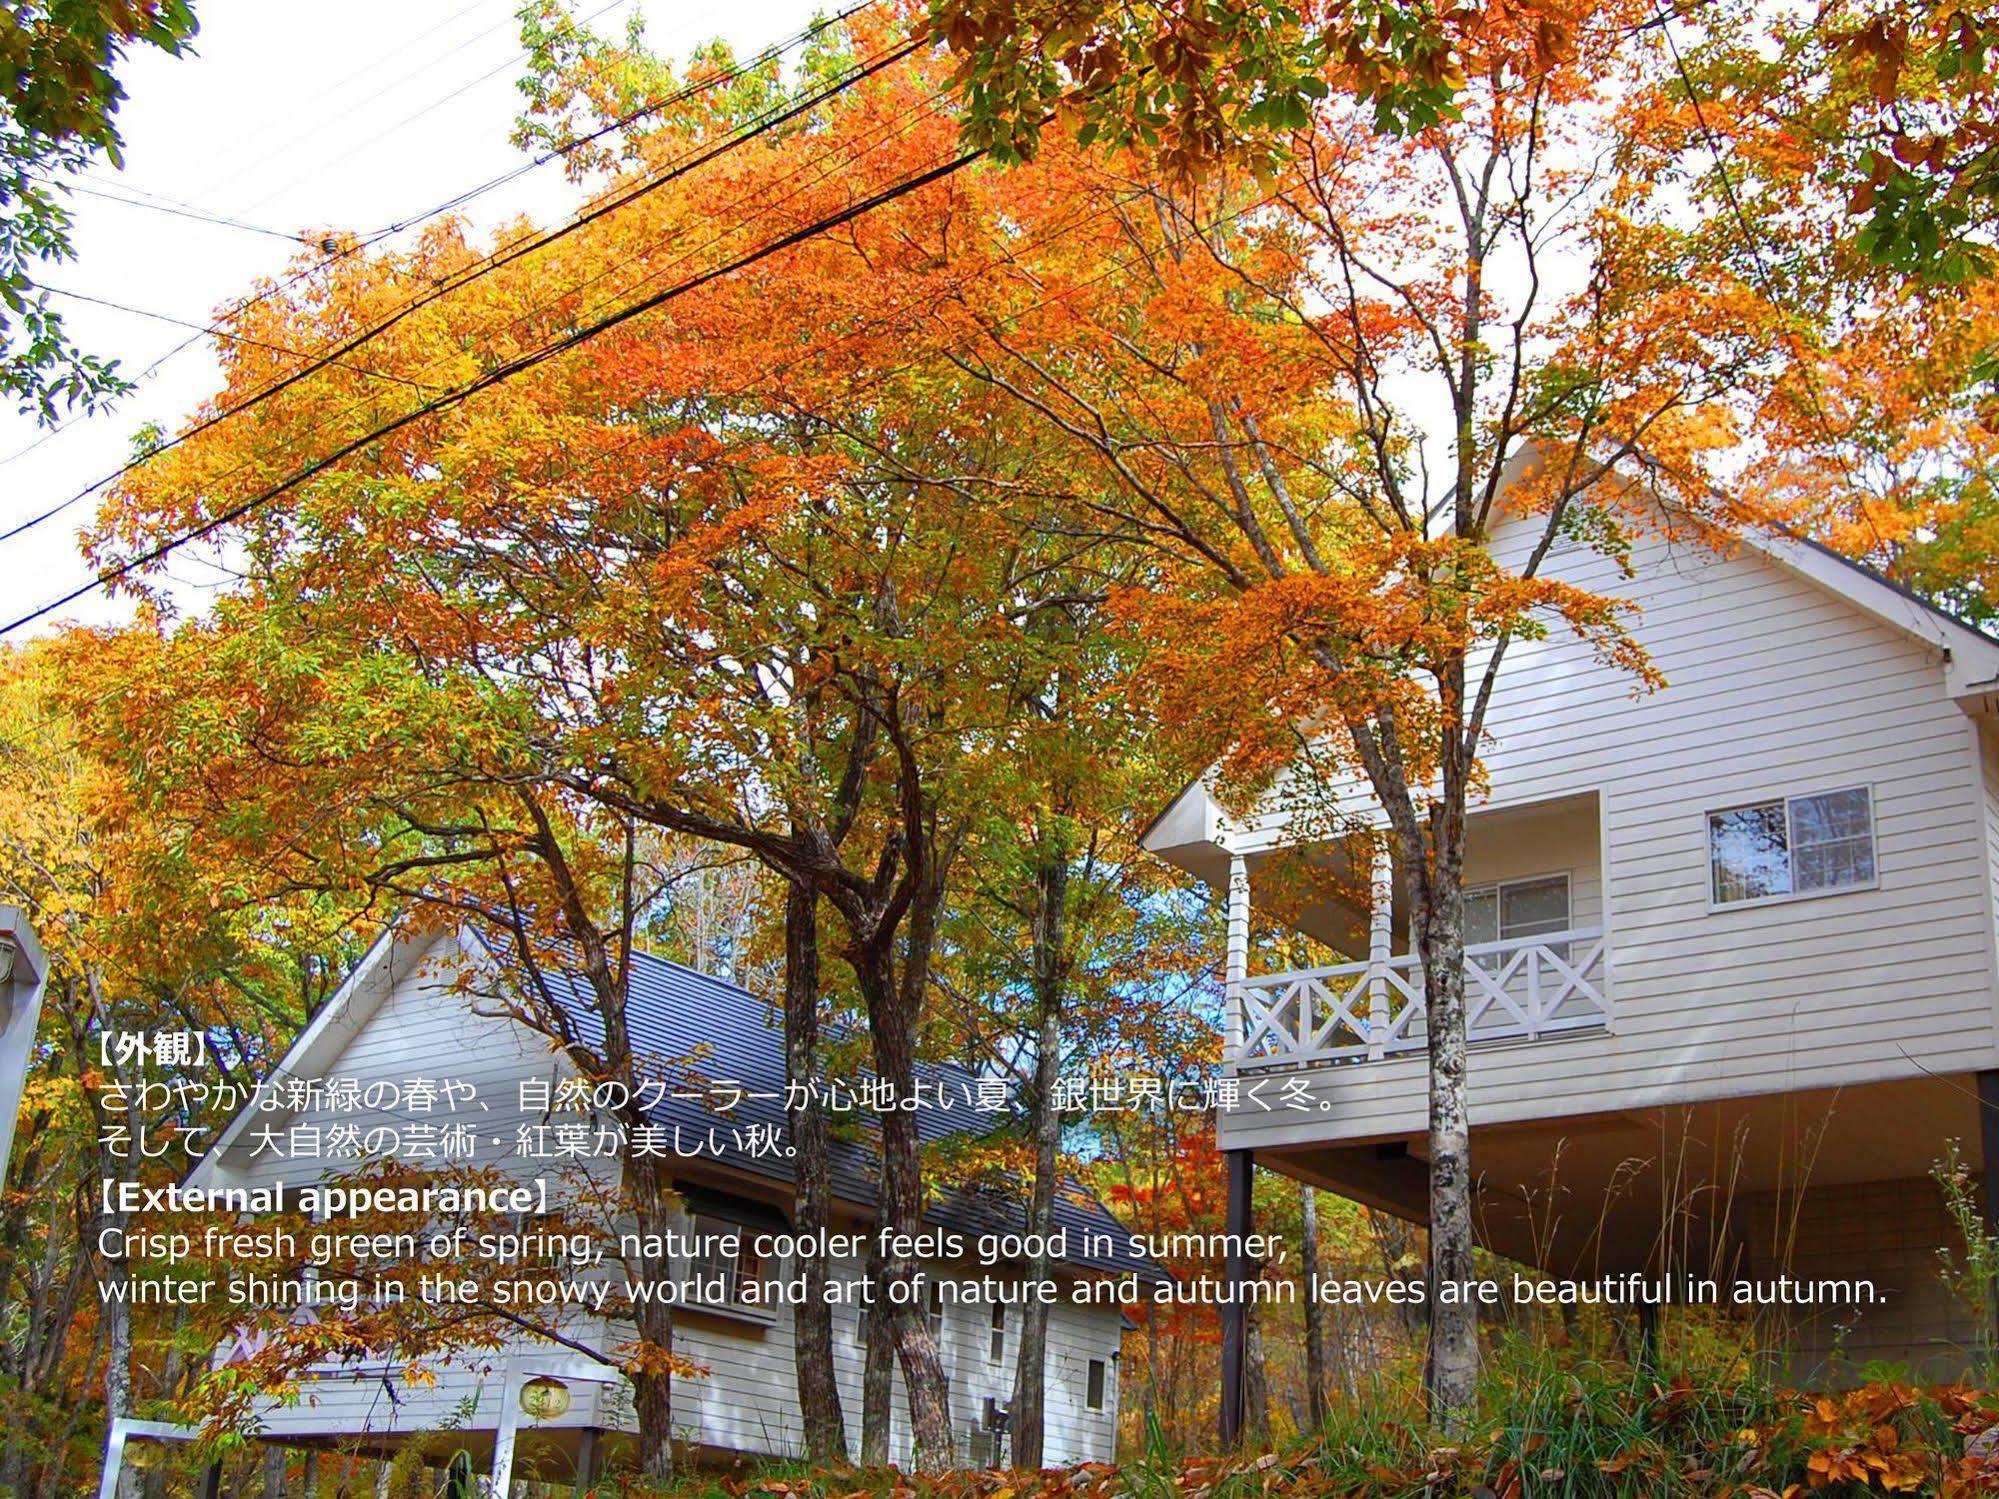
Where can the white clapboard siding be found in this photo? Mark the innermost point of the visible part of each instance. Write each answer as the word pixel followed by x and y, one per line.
pixel 747 1400
pixel 1774 686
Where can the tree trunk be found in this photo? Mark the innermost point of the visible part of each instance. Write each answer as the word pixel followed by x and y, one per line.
pixel 274 1471
pixel 1316 1371
pixel 116 1280
pixel 892 1019
pixel 652 1388
pixel 1028 1416
pixel 1256 1377
pixel 1451 1375
pixel 812 1186
pixel 877 1373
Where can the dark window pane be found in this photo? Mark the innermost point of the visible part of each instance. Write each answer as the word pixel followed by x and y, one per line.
pixel 1481 916
pixel 1832 840
pixel 1532 908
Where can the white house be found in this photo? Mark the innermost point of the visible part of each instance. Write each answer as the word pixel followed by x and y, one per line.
pixel 1734 987
pixel 402 1018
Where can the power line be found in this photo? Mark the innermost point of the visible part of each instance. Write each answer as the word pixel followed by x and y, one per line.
pixel 325 94
pixel 1136 258
pixel 183 211
pixel 240 338
pixel 512 60
pixel 688 91
pixel 496 258
pixel 496 376
pixel 828 163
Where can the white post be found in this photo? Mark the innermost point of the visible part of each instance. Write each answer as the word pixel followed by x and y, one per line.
pixel 114 1459
pixel 1380 947
pixel 122 1430
pixel 1236 973
pixel 503 1437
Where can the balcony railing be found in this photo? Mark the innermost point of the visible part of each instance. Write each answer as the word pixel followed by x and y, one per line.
pixel 1518 990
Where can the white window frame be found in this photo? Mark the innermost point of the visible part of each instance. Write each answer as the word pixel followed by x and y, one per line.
pixel 1785 897
pixel 1497 887
pixel 996 1335
pixel 1103 1400
pixel 933 1310
pixel 748 1265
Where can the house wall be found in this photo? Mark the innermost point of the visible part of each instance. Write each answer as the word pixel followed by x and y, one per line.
pixel 1887 1233
pixel 1774 686
pixel 747 1401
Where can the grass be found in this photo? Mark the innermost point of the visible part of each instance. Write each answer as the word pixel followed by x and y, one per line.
pixel 1552 1423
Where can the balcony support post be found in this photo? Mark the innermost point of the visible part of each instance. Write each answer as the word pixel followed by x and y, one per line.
pixel 1235 1306
pixel 1236 971
pixel 1380 947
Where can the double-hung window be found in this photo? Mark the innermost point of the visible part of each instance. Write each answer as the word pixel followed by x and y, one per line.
pixel 1515 908
pixel 1792 845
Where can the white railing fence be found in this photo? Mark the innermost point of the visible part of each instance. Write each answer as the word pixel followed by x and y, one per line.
pixel 1517 990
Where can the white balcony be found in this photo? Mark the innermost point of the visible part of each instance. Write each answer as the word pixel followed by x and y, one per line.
pixel 1522 989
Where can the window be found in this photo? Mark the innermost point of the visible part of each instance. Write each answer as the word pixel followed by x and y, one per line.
pixel 1093 1396
pixel 1516 908
pixel 996 1347
pixel 723 1259
pixel 933 1311
pixel 1799 845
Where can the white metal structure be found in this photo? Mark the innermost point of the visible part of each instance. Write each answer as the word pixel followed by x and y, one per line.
pixel 24 974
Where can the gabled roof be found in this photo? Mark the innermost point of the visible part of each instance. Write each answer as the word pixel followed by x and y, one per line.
pixel 1187 823
pixel 1971 656
pixel 726 1035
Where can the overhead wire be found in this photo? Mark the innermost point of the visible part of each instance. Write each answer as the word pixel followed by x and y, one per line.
pixel 826 165
pixel 496 376
pixel 353 246
pixel 604 458
pixel 506 254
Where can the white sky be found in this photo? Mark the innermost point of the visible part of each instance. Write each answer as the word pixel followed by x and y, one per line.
pixel 286 116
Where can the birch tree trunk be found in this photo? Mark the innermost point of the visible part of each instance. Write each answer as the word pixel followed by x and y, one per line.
pixel 812 1183
pixel 1437 860
pixel 1256 1376
pixel 115 1271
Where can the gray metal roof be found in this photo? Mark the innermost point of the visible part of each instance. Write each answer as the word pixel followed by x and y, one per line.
pixel 692 1023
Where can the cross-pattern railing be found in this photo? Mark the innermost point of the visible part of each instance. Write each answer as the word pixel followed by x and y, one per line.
pixel 1517 990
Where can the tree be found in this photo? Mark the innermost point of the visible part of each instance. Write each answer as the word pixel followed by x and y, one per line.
pixel 1194 86
pixel 59 98
pixel 751 619
pixel 1877 436
pixel 1238 363
pixel 1317 1365
pixel 144 935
